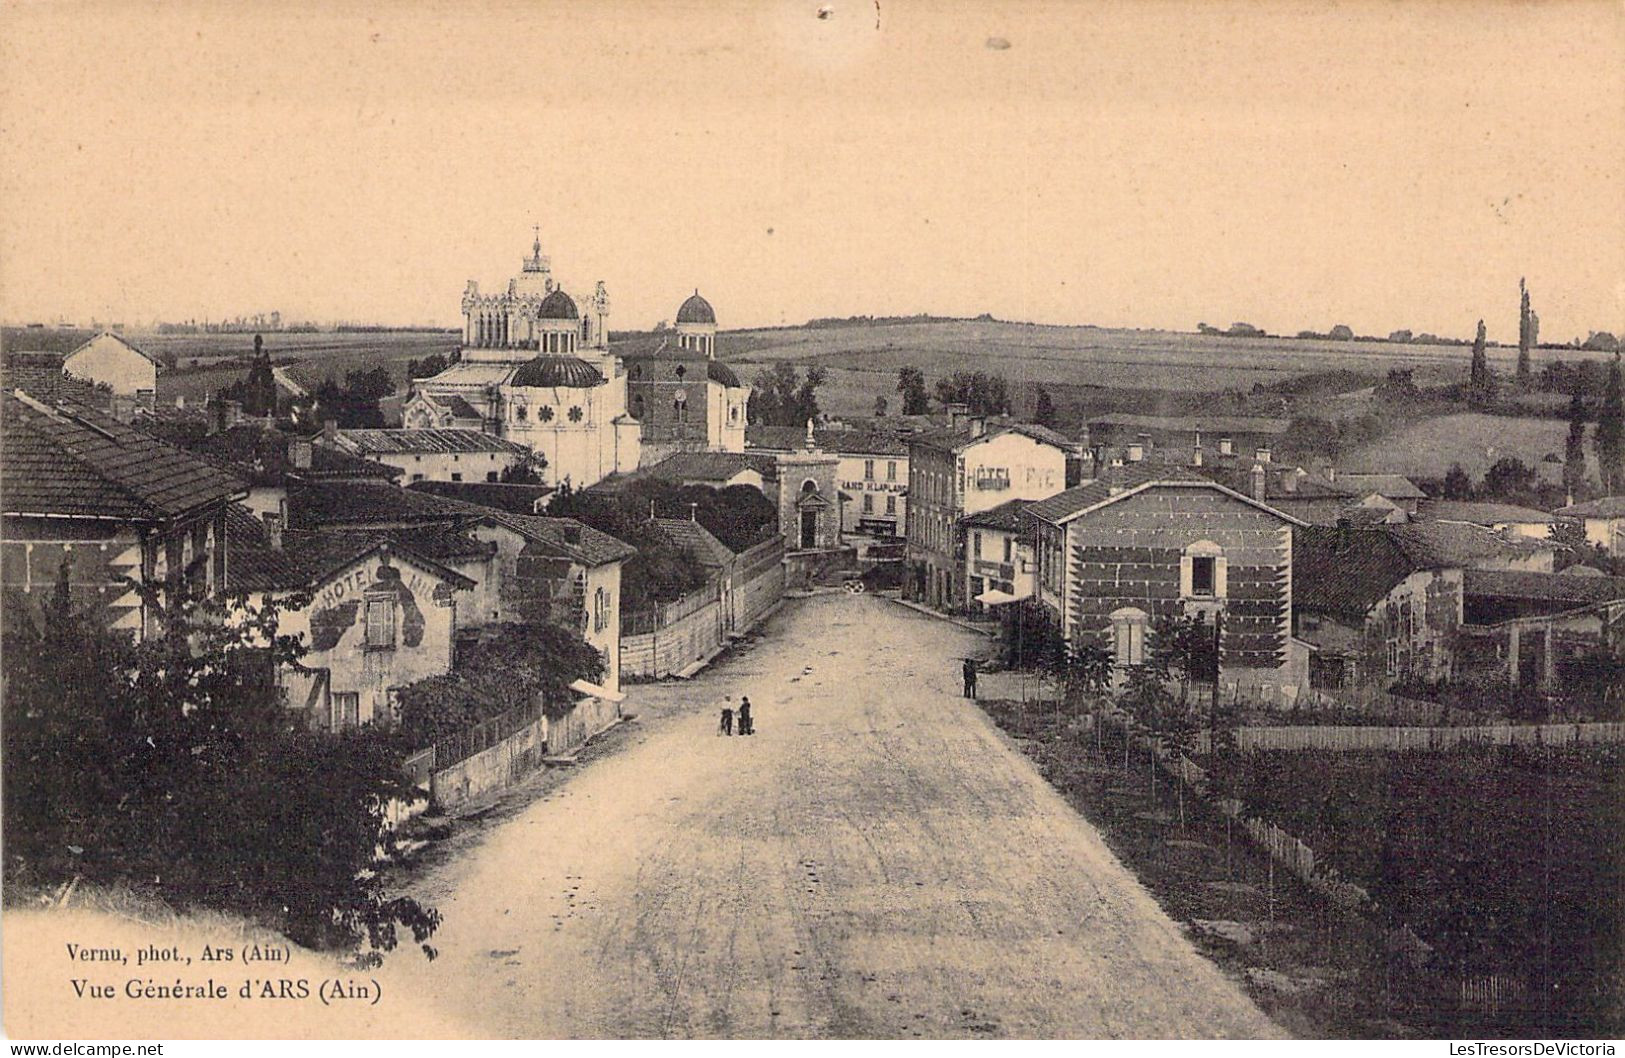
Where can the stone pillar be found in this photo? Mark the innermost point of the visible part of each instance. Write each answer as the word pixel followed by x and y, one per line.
pixel 1512 654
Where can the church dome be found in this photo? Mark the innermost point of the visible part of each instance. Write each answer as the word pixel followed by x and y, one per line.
pixel 551 372
pixel 717 371
pixel 696 310
pixel 557 306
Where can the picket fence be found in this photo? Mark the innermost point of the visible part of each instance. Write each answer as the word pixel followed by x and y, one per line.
pixel 1357 739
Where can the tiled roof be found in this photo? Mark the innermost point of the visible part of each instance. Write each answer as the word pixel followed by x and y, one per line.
pixel 39 374
pixel 699 466
pixel 856 442
pixel 1346 571
pixel 411 442
pixel 1112 481
pixel 66 459
pixel 1240 478
pixel 305 559
pixel 563 536
pixel 960 438
pixel 262 456
pixel 1460 543
pixel 1480 513
pixel 1007 516
pixel 326 505
pixel 694 540
pixel 516 499
pixel 132 347
pixel 1544 587
pixel 1606 507
pixel 1389 486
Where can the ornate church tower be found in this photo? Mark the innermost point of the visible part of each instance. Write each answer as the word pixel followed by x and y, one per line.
pixel 697 326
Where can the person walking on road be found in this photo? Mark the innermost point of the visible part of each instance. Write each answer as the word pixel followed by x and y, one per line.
pixel 969 672
pixel 747 726
pixel 727 726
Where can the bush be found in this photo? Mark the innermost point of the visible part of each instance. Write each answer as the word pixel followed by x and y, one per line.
pixel 173 766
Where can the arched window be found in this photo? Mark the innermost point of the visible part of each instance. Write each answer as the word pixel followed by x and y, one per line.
pixel 637 405
pixel 809 486
pixel 1128 636
pixel 1203 571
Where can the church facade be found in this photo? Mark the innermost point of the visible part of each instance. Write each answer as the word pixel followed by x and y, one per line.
pixel 685 398
pixel 535 368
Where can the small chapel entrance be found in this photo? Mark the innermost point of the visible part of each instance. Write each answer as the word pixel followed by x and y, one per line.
pixel 809 529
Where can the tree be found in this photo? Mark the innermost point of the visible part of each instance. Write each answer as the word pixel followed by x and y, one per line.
pixel 428 367
pixel 983 393
pixel 1510 478
pixel 1480 379
pixel 1341 333
pixel 1574 449
pixel 782 396
pixel 1609 439
pixel 1044 409
pixel 354 405
pixel 172 765
pixel 1528 332
pixel 911 384
pixel 1457 485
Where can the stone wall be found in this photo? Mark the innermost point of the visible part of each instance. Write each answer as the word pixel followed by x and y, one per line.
pixel 491 769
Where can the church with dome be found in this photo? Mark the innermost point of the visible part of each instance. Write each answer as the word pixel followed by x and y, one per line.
pixel 535 366
pixel 684 397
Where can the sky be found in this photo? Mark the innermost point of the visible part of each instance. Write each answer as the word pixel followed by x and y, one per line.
pixel 1147 164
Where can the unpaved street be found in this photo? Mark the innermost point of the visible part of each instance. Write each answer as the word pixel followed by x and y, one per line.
pixel 876 861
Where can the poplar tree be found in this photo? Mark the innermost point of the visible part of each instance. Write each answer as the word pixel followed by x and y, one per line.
pixel 1610 434
pixel 1574 452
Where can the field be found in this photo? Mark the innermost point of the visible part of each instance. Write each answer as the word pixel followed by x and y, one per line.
pixel 325 353
pixel 1506 860
pixel 1428 448
pixel 862 360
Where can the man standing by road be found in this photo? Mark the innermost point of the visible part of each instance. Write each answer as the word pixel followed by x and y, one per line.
pixel 746 724
pixel 970 678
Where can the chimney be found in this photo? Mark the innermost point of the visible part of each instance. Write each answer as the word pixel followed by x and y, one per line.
pixel 299 453
pixel 1289 481
pixel 1261 455
pixel 694 512
pixel 1136 452
pixel 978 425
pixel 1196 457
pixel 1259 478
pixel 330 430
pixel 956 415
pixel 273 529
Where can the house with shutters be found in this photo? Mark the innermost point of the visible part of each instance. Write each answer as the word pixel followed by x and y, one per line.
pixel 1144 543
pixel 999 554
pixel 970 467
pixel 1375 605
pixel 373 615
pixel 108 504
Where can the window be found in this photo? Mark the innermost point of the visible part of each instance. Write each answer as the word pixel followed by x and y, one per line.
pixel 1128 636
pixel 1203 571
pixel 491 475
pixel 417 477
pixel 520 412
pixel 976 546
pixel 868 470
pixel 456 477
pixel 891 504
pixel 1202 576
pixel 891 470
pixel 344 710
pixel 544 414
pixel 380 623
pixel 868 503
pixel 600 610
pixel 1008 546
pixel 575 413
pixel 1227 447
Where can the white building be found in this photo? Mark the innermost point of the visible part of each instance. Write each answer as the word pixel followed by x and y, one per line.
pixel 436 455
pixel 535 370
pixel 108 360
pixel 1604 521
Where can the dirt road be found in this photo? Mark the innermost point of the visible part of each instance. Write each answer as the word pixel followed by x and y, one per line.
pixel 876 861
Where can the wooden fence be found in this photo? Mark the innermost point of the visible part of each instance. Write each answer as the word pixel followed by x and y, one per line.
pixel 1357 739
pixel 454 749
pixel 671 638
